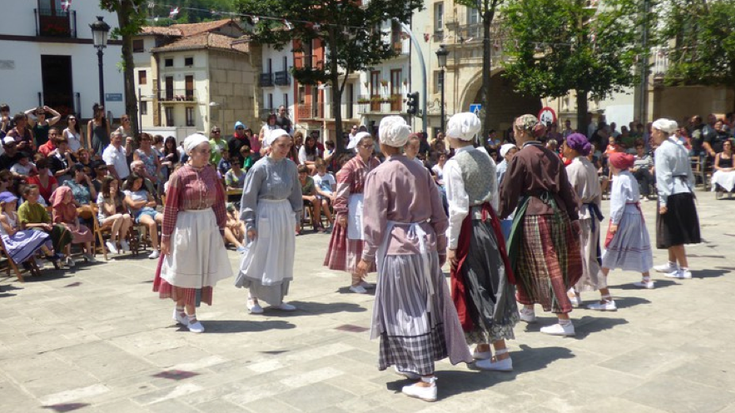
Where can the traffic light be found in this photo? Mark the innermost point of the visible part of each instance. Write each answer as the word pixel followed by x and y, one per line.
pixel 413 103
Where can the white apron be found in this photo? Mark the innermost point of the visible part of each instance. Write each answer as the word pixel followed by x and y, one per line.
pixel 354 217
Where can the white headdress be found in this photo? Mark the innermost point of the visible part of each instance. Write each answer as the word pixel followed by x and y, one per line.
pixel 394 131
pixel 357 138
pixel 505 148
pixel 192 141
pixel 463 126
pixel 665 125
pixel 273 135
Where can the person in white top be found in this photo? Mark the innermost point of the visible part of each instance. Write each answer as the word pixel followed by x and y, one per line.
pixel 115 156
pixel 74 135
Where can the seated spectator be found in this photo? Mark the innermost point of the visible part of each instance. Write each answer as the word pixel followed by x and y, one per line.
pixel 10 155
pixel 24 167
pixel 247 157
pixel 44 181
pixel 325 186
pixel 309 153
pixel 723 179
pixel 61 160
pixel 148 156
pixel 235 177
pixel 142 206
pixel 81 187
pixel 234 229
pixel 33 215
pixel 115 156
pixel 113 214
pixel 138 168
pixel 642 170
pixel 50 145
pixel 99 171
pixel 22 134
pixel 65 213
pixel 21 245
pixel 224 164
pixel 309 195
pixel 6 122
pixel 83 157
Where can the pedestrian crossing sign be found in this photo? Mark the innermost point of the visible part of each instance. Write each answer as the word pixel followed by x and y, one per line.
pixel 476 108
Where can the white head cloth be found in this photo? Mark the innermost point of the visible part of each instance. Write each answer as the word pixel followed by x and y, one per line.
pixel 665 125
pixel 394 131
pixel 192 141
pixel 505 148
pixel 357 138
pixel 463 126
pixel 275 134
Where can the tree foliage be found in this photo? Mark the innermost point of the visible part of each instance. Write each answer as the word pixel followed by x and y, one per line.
pixel 704 36
pixel 350 33
pixel 557 46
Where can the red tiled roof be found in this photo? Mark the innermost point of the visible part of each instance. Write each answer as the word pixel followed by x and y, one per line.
pixel 187 29
pixel 203 41
pixel 161 31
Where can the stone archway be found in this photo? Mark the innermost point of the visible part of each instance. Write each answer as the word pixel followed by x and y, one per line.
pixel 505 103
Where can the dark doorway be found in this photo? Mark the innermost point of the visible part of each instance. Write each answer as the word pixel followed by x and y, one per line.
pixel 58 90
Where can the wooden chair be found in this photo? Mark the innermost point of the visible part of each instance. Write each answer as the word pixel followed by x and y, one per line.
pixel 99 234
pixel 34 270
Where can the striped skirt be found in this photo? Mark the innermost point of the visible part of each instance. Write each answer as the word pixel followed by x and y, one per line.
pixel 549 262
pixel 415 328
pixel 630 247
pixel 23 244
pixel 343 253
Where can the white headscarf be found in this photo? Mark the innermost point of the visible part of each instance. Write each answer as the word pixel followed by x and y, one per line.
pixel 665 125
pixel 273 135
pixel 192 141
pixel 357 138
pixel 463 126
pixel 505 148
pixel 394 131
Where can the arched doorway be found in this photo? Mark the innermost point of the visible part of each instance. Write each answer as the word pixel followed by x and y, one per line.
pixel 505 103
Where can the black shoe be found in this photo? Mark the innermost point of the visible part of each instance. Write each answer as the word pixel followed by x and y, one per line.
pixel 27 265
pixel 53 259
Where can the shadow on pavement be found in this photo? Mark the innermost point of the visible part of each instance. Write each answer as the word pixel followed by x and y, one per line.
pixel 658 283
pixel 588 325
pixel 718 272
pixel 312 308
pixel 346 290
pixel 242 326
pixel 627 302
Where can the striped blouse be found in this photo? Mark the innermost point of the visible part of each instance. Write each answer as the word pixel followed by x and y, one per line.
pixel 193 189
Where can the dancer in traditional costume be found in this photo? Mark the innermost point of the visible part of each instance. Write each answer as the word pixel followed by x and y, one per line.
pixel 405 229
pixel 583 178
pixel 271 208
pixel 480 270
pixel 346 244
pixel 544 242
pixel 627 245
pixel 677 222
pixel 193 255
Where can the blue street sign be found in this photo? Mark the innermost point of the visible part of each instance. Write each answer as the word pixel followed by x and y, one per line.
pixel 113 97
pixel 475 108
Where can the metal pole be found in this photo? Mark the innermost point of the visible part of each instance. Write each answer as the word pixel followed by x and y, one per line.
pixel 424 88
pixel 140 116
pixel 441 78
pixel 101 76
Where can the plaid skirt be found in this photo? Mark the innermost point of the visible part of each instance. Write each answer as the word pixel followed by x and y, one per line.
pixel 343 253
pixel 549 262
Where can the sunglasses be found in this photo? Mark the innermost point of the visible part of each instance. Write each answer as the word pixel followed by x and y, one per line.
pixel 215 131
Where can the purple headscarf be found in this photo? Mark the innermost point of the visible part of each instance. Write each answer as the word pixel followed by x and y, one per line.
pixel 579 143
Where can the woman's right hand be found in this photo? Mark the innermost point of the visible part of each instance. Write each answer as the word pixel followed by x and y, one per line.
pixel 342 221
pixel 252 234
pixel 165 246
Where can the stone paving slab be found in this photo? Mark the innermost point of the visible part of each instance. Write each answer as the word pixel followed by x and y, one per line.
pixel 96 339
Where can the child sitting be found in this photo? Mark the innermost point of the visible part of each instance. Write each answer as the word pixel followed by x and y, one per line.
pixel 33 215
pixel 325 184
pixel 234 229
pixel 235 177
pixel 65 213
pixel 309 195
pixel 247 157
pixel 24 166
pixel 21 244
pixel 224 164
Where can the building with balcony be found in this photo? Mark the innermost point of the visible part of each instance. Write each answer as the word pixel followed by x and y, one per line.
pixel 191 77
pixel 276 82
pixel 48 58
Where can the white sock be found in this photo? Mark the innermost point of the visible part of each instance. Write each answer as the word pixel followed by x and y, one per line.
pixel 565 322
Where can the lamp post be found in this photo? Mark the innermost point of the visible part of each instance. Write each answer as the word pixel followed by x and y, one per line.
pixel 100 29
pixel 441 56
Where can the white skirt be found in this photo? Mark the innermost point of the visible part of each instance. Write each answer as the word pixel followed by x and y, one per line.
pixel 198 257
pixel 267 267
pixel 725 179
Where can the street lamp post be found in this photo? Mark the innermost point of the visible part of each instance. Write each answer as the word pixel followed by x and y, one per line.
pixel 441 56
pixel 100 30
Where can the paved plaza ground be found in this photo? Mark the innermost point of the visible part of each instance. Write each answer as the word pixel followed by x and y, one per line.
pixel 96 339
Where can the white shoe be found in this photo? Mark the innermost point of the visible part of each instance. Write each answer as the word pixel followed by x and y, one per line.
pixel 668 267
pixel 254 307
pixel 481 355
pixel 124 246
pixel 196 327
pixel 69 262
pixel 679 274
pixel 499 365
pixel 424 393
pixel 358 289
pixel 89 257
pixel 155 254
pixel 111 247
pixel 366 285
pixel 180 319
pixel 607 305
pixel 406 374
pixel 527 315
pixel 574 297
pixel 559 330
pixel 285 307
pixel 644 284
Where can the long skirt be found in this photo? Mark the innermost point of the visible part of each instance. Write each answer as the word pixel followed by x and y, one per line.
pixel 630 247
pixel 343 253
pixel 81 234
pixel 680 224
pixel 60 236
pixel 267 268
pixel 197 260
pixel 549 262
pixel 726 180
pixel 492 305
pixel 592 279
pixel 23 244
pixel 415 328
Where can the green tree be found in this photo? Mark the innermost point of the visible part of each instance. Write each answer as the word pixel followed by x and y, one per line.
pixel 703 33
pixel 131 16
pixel 349 32
pixel 487 9
pixel 558 46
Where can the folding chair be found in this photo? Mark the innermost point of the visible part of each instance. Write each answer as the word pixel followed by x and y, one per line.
pixel 34 271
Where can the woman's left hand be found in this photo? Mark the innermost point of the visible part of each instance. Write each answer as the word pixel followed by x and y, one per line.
pixel 662 210
pixel 362 268
pixel 613 228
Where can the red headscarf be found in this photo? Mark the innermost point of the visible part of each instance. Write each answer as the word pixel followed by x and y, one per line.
pixel 621 160
pixel 67 212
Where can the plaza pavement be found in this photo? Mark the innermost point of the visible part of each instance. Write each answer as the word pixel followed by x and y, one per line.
pixel 96 339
